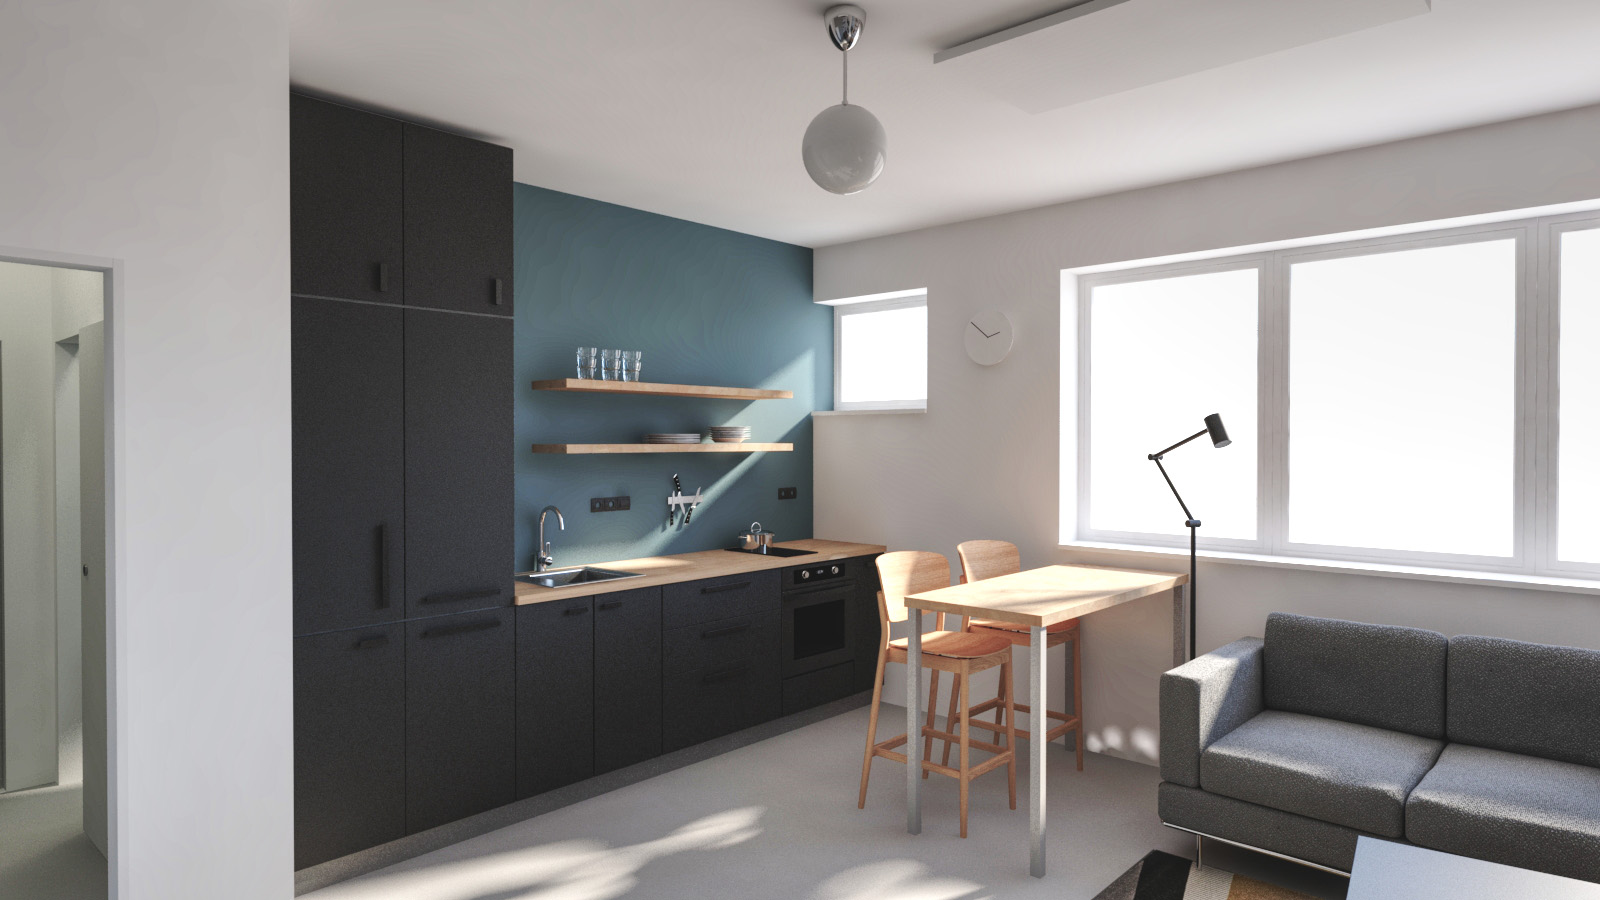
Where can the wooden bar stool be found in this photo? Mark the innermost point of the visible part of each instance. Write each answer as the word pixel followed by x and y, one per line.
pixel 958 652
pixel 990 559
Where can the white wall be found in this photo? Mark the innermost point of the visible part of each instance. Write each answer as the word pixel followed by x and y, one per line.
pixel 983 461
pixel 156 134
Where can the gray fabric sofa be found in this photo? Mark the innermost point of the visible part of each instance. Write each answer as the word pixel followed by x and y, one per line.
pixel 1328 730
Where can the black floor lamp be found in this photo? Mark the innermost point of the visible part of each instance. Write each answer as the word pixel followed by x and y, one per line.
pixel 1219 438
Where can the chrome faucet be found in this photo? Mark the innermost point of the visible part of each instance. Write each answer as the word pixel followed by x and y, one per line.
pixel 544 560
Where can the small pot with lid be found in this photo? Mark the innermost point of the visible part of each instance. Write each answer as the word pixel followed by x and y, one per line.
pixel 756 539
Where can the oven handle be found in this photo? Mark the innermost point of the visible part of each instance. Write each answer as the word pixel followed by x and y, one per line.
pixel 806 593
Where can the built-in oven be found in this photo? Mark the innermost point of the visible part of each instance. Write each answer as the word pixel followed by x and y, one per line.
pixel 817 604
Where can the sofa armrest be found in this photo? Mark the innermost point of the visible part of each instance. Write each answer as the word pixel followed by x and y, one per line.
pixel 1204 699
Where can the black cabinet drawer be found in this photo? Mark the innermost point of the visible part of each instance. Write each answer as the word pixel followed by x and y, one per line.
pixel 460 716
pixel 718 700
pixel 555 694
pixel 349 742
pixel 819 687
pixel 723 642
pixel 696 602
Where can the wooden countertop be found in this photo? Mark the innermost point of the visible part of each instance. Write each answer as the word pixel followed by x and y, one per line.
pixel 659 570
pixel 1046 595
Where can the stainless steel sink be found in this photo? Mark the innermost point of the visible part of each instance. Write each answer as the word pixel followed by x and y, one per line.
pixel 554 578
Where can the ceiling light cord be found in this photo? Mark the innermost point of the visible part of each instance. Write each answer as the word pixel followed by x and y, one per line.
pixel 846 101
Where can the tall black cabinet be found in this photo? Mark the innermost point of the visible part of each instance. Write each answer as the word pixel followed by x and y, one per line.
pixel 403 534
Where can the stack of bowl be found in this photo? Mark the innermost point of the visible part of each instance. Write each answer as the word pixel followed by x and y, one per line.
pixel 730 434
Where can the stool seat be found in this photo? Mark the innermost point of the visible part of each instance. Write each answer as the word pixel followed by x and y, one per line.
pixel 957 644
pixel 1057 628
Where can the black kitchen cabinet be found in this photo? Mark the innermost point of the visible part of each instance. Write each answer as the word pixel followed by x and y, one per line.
pixel 460 734
pixel 720 699
pixel 555 694
pixel 345 182
pixel 458 462
pixel 349 742
pixel 869 629
pixel 627 678
pixel 457 222
pixel 349 474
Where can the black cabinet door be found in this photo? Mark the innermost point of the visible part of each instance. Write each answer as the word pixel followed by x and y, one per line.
pixel 345 184
pixel 457 222
pixel 460 550
pixel 460 716
pixel 627 678
pixel 869 630
pixel 349 742
pixel 349 475
pixel 555 694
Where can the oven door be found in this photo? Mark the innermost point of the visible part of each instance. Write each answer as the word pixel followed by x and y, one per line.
pixel 816 627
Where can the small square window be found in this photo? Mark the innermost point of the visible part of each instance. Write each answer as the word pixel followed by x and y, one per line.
pixel 881 354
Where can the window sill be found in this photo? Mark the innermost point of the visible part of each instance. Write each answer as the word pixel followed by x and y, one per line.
pixel 870 412
pixel 1381 570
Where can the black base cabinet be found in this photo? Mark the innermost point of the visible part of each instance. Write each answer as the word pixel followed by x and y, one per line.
pixel 869 627
pixel 627 678
pixel 555 694
pixel 460 734
pixel 349 741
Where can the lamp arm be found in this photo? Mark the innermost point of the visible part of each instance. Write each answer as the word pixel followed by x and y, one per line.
pixel 1157 459
pixel 1157 456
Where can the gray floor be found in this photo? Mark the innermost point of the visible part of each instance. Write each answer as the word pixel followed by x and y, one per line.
pixel 778 819
pixel 43 853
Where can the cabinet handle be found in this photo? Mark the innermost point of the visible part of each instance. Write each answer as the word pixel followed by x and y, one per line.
pixel 372 643
pixel 383 566
pixel 499 292
pixel 610 604
pixel 724 632
pixel 463 596
pixel 724 587
pixel 575 611
pixel 383 278
pixel 449 630
pixel 724 675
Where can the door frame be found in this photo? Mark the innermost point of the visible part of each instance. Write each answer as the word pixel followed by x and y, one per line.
pixel 111 272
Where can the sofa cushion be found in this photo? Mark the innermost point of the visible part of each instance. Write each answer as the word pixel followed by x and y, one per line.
pixel 1351 775
pixel 1525 698
pixel 1509 808
pixel 1379 675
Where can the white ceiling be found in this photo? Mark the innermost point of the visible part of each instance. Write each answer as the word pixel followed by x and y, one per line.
pixel 696 109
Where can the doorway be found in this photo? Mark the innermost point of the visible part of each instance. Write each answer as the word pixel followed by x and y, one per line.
pixel 54 759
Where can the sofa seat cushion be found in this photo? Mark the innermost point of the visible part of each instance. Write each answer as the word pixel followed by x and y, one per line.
pixel 1508 808
pixel 1351 775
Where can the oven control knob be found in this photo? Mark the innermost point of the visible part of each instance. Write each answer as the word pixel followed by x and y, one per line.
pixel 805 574
pixel 834 570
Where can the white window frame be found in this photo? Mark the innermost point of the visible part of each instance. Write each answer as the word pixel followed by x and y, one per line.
pixel 1537 393
pixel 848 308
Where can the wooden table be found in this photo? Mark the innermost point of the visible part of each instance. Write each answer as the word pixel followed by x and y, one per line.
pixel 1385 869
pixel 1037 598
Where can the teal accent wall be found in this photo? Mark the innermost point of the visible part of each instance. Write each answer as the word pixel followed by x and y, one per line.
pixel 707 306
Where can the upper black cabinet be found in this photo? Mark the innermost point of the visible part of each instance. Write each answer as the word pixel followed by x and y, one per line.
pixel 345 202
pixel 457 222
pixel 458 443
pixel 349 473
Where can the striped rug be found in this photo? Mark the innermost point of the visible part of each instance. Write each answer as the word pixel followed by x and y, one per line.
pixel 1162 876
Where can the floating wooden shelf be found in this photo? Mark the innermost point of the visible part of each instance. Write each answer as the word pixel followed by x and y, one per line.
pixel 746 447
pixel 652 389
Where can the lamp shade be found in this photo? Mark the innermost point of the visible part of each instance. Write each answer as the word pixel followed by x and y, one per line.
pixel 1219 435
pixel 844 149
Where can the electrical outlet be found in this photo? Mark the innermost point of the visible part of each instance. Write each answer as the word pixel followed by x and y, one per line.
pixel 608 504
pixel 788 493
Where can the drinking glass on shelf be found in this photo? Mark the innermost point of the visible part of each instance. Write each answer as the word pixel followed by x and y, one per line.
pixel 588 362
pixel 608 365
pixel 635 361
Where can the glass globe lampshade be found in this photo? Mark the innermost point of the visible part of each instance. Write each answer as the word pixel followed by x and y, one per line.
pixel 844 149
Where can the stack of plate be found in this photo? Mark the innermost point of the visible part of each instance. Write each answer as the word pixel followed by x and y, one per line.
pixel 730 434
pixel 672 439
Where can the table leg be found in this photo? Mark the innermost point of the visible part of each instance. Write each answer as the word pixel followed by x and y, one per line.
pixel 1038 723
pixel 914 725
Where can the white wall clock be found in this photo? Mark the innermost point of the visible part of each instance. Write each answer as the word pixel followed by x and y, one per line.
pixel 988 337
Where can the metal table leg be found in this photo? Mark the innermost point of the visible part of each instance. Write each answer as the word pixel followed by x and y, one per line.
pixel 913 725
pixel 1038 726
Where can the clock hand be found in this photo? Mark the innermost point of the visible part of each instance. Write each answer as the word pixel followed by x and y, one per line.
pixel 981 331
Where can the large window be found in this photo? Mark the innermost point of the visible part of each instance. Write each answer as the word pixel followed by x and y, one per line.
pixel 1429 399
pixel 881 354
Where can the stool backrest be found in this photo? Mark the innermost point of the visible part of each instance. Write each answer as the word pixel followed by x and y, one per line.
pixel 988 559
pixel 907 572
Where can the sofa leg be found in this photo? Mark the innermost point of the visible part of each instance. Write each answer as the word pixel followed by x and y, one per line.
pixel 1199 852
